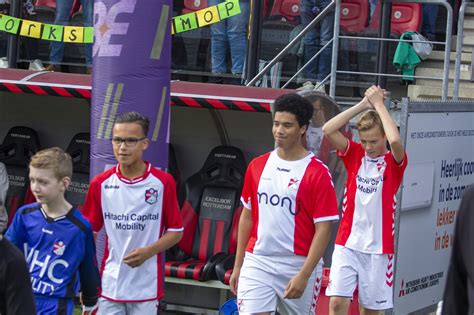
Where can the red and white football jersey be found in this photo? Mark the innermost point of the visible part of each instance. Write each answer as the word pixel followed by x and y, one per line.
pixel 287 198
pixel 369 202
pixel 135 213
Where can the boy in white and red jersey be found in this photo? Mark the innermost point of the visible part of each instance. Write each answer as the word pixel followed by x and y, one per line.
pixel 137 205
pixel 290 204
pixel 363 255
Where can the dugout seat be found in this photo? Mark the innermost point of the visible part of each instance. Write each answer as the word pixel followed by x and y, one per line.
pixel 16 150
pixel 287 9
pixel 79 150
pixel 210 212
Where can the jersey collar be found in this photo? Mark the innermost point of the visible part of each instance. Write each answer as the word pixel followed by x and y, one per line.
pixel 136 179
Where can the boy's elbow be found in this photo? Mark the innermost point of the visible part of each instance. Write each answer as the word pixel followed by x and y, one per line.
pixel 326 129
pixel 396 142
pixel 178 236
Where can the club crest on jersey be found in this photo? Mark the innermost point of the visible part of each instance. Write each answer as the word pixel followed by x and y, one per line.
pixel 151 196
pixel 381 166
pixel 59 248
pixel 293 184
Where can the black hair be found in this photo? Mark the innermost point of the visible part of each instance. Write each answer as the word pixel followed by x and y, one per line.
pixel 296 105
pixel 134 117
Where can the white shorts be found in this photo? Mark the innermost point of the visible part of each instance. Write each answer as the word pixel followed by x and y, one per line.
pixel 371 273
pixel 263 280
pixel 107 307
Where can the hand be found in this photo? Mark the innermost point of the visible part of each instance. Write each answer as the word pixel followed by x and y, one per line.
pixel 375 95
pixel 296 287
pixel 90 310
pixel 137 257
pixel 366 103
pixel 234 280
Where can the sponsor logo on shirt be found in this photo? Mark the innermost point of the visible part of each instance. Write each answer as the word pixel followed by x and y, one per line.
pixel 277 201
pixel 293 184
pixel 59 248
pixel 280 169
pixel 111 186
pixel 47 231
pixel 381 166
pixel 151 196
pixel 368 185
pixel 45 270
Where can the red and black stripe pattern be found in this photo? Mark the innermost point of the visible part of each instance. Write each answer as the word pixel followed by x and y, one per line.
pixel 224 104
pixel 195 102
pixel 45 90
pixel 185 270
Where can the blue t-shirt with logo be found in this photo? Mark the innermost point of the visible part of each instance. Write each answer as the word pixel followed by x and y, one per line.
pixel 60 253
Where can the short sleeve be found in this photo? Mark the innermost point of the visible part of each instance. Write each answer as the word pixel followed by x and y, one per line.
pixel 325 202
pixel 351 157
pixel 397 169
pixel 246 196
pixel 16 233
pixel 172 216
pixel 92 208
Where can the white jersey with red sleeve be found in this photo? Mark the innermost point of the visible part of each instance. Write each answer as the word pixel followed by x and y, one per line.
pixel 135 213
pixel 287 198
pixel 368 209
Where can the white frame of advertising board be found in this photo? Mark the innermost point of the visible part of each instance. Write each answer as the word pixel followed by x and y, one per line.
pixel 424 288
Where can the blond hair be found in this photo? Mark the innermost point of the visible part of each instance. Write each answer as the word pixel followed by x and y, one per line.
pixel 369 120
pixel 54 159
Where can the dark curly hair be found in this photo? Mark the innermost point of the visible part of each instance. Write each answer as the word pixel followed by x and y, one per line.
pixel 296 105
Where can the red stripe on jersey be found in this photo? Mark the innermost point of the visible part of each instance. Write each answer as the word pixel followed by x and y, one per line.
pixel 352 159
pixel 249 192
pixel 315 199
pixel 160 280
pixel 219 237
pixel 206 225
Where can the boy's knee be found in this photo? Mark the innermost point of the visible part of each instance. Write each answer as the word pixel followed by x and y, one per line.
pixel 338 304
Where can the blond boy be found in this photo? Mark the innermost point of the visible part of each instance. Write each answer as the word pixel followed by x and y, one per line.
pixel 364 253
pixel 56 239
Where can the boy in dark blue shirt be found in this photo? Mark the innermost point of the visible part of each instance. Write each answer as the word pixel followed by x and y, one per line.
pixel 56 240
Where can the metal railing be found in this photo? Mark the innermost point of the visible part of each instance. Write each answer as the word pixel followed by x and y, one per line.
pixel 459 44
pixel 295 41
pixel 336 4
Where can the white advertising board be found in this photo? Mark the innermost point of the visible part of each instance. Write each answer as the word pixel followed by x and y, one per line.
pixel 440 149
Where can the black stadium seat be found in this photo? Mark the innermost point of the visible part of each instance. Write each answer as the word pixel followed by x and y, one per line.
pixel 18 146
pixel 79 149
pixel 211 212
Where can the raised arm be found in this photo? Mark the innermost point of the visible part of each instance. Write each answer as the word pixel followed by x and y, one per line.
pixel 375 96
pixel 331 128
